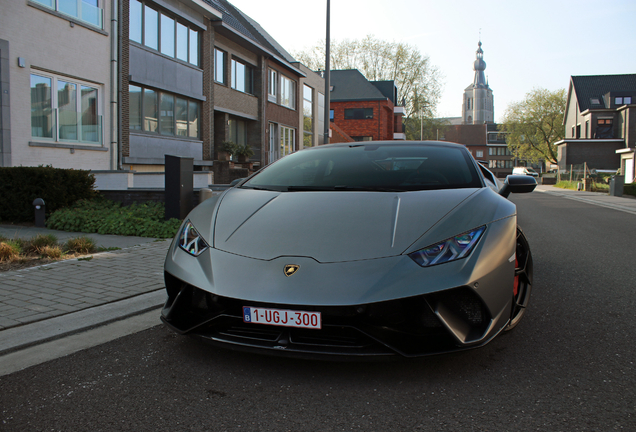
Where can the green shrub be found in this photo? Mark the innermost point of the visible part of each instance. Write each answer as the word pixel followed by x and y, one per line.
pixel 59 188
pixel 630 189
pixel 107 217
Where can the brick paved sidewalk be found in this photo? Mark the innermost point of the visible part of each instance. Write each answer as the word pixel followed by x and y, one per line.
pixel 37 293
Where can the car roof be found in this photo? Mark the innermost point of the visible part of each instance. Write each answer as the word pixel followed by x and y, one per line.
pixel 401 143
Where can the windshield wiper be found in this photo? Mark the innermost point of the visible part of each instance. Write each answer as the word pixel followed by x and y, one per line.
pixel 259 188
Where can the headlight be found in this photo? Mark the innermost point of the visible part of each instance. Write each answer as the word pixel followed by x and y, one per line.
pixel 451 249
pixel 191 241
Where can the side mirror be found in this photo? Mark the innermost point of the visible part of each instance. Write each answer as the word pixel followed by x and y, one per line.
pixel 517 184
pixel 236 181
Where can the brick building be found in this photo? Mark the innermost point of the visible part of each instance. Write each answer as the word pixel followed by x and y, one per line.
pixel 364 110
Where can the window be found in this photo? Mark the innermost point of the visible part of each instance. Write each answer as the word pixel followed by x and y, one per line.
pixel 167 35
pixel 605 121
pixel 595 101
pixel 286 141
pixel 362 138
pixel 220 63
pixel 627 100
pixel 163 113
pixel 587 129
pixel 162 32
pixel 84 10
pixel 238 131
pixel 241 77
pixel 182 42
pixel 308 117
pixel 320 127
pixel 358 113
pixel 500 164
pixel 618 101
pixel 331 115
pixel 499 151
pixel 287 92
pixel 70 113
pixel 578 131
pixel 272 85
pixel 479 153
pixel 151 28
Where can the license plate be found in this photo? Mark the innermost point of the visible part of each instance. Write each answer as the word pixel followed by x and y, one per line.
pixel 282 317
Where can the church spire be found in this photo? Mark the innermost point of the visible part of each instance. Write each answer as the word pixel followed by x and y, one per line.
pixel 479 67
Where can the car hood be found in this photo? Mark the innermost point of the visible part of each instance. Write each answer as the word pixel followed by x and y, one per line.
pixel 328 226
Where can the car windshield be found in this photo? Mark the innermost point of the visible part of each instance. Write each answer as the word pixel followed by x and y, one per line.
pixel 370 167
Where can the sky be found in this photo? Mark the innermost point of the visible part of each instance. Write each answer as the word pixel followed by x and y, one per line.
pixel 526 44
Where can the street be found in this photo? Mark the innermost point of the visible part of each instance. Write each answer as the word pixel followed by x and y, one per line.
pixel 569 365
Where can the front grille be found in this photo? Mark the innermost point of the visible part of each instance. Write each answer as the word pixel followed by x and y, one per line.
pixel 405 326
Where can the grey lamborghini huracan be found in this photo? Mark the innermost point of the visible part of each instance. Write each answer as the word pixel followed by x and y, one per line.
pixel 358 249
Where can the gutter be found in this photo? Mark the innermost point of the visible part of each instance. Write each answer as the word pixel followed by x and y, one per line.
pixel 114 86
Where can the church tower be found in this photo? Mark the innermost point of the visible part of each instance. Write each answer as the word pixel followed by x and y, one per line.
pixel 478 106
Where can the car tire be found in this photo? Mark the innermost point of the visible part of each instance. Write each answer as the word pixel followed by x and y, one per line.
pixel 522 285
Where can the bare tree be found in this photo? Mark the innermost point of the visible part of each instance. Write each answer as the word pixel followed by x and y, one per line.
pixel 417 80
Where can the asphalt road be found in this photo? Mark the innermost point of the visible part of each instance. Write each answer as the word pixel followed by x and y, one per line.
pixel 569 365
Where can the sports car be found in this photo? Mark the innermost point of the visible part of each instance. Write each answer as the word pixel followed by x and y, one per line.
pixel 371 249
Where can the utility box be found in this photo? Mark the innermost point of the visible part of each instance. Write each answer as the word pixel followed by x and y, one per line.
pixel 616 185
pixel 179 186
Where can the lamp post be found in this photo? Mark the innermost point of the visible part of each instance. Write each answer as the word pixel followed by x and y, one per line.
pixel 327 76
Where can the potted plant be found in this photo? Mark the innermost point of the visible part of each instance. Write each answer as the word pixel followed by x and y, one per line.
pixel 227 149
pixel 243 152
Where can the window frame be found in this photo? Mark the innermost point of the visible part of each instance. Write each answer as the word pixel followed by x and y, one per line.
pixel 248 76
pixel 287 92
pixel 308 118
pixel 272 85
pixel 193 48
pixel 55 6
pixel 351 113
pixel 159 121
pixel 55 117
pixel 217 52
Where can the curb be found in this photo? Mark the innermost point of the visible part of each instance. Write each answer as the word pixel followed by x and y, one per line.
pixel 17 338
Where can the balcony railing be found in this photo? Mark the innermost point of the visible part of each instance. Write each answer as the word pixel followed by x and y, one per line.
pixel 80 9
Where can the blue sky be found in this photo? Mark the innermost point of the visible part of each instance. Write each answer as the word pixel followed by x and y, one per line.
pixel 526 44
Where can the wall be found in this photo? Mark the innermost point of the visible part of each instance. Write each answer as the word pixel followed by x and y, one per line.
pixel 64 47
pixel 380 127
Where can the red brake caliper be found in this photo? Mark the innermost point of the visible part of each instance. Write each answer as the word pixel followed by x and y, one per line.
pixel 515 288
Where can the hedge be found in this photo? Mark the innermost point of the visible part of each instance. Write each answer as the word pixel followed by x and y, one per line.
pixel 59 188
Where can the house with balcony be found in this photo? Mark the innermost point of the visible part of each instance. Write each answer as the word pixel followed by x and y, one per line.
pixel 120 85
pixel 56 87
pixel 365 110
pixel 600 123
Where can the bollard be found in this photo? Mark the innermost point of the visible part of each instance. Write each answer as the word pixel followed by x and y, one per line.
pixel 205 193
pixel 40 208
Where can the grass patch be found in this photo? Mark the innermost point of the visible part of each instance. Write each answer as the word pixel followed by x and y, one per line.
pixel 42 249
pixel 9 251
pixel 103 216
pixel 572 185
pixel 82 245
pixel 565 184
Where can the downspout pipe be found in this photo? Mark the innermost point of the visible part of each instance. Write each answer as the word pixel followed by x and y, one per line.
pixel 114 85
pixel 327 76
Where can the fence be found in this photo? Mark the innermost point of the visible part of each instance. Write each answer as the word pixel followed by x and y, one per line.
pixel 585 177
